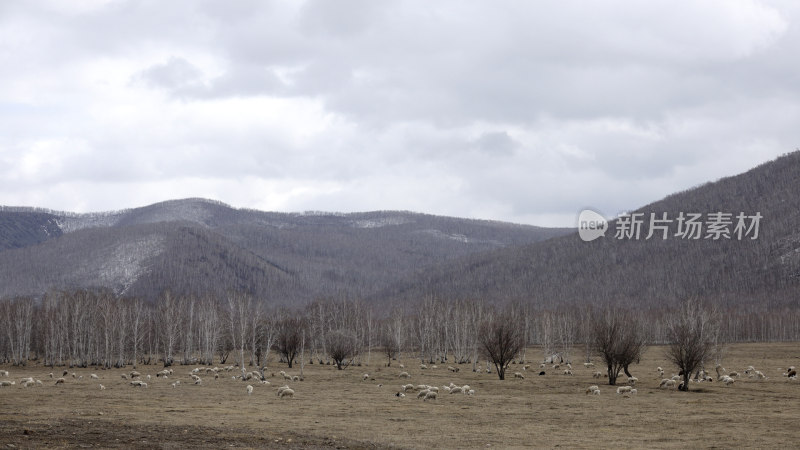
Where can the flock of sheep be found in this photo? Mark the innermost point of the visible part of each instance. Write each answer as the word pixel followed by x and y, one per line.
pixel 423 391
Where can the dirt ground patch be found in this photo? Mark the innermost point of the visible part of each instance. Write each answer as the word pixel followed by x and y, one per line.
pixel 336 409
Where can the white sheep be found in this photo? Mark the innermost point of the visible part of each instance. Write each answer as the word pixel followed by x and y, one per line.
pixel 400 395
pixel 365 377
pixel 452 369
pixel 198 381
pixel 94 377
pixel 567 372
pixel 667 383
pixel 422 393
pixel 423 366
pixel 249 390
pixel 591 389
pixel 588 365
pixel 624 389
pixel 5 383
pixel 456 390
pixel 60 380
pixel 404 375
pixel 430 395
pixel 727 380
pixel 3 373
pixel 286 393
pixel 471 392
pixel 597 374
pixel 519 375
pixel 138 383
pixel 632 381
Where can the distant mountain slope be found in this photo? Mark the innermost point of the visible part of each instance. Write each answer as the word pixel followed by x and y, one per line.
pixel 751 273
pixel 24 228
pixel 199 247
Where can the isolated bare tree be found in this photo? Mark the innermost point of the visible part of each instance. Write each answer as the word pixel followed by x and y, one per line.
pixel 619 339
pixel 289 337
pixel 393 335
pixel 501 340
pixel 690 331
pixel 342 348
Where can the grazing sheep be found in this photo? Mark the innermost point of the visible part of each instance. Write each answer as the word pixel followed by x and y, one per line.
pixel 65 373
pixel 734 374
pixel 3 373
pixel 124 376
pixel 402 366
pixel 102 388
pixel 624 389
pixel 668 383
pixel 365 377
pixel 176 384
pixel 135 374
pixel 286 393
pixel 404 375
pixel 60 380
pixel 727 380
pixel 526 367
pixel 28 383
pixel 632 381
pixel 5 383
pixel 471 392
pixel 423 366
pixel 591 389
pixel 422 393
pixel 791 372
pixel 453 369
pixel 94 377
pixel 597 374
pixel 760 375
pixel 39 382
pixel 400 395
pixel 541 366
pixel 407 387
pixel 567 372
pixel 633 391
pixel 519 375
pixel 249 390
pixel 446 389
pixel 138 383
pixel 431 395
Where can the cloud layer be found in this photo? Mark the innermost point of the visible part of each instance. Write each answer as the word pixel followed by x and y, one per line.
pixel 518 111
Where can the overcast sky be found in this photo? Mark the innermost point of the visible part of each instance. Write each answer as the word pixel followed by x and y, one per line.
pixel 524 111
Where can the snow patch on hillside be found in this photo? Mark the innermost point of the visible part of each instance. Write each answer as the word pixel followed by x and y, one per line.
pixel 380 222
pixel 460 237
pixel 126 262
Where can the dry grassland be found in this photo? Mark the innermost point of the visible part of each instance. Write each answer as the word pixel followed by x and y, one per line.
pixel 336 409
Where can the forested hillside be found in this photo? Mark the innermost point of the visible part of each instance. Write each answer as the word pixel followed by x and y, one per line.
pixel 751 273
pixel 200 247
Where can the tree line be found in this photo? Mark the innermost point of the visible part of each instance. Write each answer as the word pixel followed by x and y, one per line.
pixel 81 328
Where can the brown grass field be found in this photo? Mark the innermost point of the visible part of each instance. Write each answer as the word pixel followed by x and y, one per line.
pixel 336 409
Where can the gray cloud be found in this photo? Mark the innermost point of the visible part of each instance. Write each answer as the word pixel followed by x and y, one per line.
pixel 511 111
